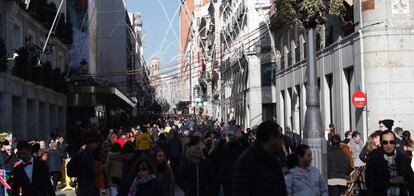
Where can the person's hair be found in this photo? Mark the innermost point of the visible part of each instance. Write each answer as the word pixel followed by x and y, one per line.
pixel 193 150
pixel 147 163
pixel 23 144
pixel 41 153
pixel 335 140
pixel 370 142
pixel 388 132
pixel 347 133
pixel 155 154
pixel 300 151
pixel 407 141
pixel 35 147
pixel 355 134
pixel 398 130
pixel 116 147
pixel 266 130
pixel 53 145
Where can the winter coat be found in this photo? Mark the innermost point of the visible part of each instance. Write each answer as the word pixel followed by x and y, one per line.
pixel 377 176
pixel 175 148
pixel 54 161
pixel 338 164
pixel 143 141
pixel 195 179
pixel 258 173
pixel 356 150
pixel 348 153
pixel 114 163
pixel 311 185
pixel 150 188
pixel 226 157
pixel 166 178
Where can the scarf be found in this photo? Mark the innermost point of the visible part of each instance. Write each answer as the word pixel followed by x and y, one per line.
pixel 392 170
pixel 137 181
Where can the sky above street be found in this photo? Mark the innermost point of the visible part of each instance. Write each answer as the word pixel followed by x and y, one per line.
pixel 159 42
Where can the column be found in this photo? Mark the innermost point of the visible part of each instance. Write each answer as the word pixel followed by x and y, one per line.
pixel 32 119
pixel 23 122
pixel 288 109
pixel 281 108
pixel 7 111
pixel 296 110
pixel 255 92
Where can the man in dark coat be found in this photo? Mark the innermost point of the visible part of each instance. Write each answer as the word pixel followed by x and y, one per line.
pixel 195 176
pixel 258 170
pixel 388 170
pixel 32 175
pixel 226 155
pixel 86 177
pixel 175 150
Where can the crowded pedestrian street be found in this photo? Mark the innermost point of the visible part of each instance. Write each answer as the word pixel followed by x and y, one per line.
pixel 206 97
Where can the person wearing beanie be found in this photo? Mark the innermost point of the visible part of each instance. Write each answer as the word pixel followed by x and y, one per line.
pixel 388 123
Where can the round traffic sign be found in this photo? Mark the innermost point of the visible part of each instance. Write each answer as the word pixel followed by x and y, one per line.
pixel 359 99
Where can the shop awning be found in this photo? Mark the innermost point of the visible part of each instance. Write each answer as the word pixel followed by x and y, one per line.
pixel 98 95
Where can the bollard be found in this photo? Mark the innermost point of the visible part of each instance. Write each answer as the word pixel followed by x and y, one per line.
pixel 68 179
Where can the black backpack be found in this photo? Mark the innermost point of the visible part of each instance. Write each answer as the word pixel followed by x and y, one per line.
pixel 73 168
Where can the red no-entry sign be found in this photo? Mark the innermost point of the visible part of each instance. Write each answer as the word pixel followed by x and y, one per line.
pixel 359 99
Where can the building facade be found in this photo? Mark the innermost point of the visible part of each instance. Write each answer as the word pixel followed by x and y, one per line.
pixel 32 103
pixel 112 72
pixel 368 50
pixel 246 63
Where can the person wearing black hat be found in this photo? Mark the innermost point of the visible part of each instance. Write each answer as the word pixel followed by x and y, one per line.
pixel 388 123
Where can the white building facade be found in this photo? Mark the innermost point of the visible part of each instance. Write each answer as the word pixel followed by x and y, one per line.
pixel 370 51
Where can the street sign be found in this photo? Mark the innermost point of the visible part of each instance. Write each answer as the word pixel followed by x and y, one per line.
pixel 359 99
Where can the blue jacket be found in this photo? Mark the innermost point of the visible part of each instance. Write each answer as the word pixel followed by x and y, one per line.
pixel 299 185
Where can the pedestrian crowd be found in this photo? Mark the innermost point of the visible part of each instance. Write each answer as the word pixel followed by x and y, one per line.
pixel 205 157
pixel 381 166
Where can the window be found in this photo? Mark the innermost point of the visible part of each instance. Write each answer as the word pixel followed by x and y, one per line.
pixel 32 35
pixel 266 74
pixel 329 81
pixel 297 54
pixel 60 61
pixel 17 36
pixel 1 27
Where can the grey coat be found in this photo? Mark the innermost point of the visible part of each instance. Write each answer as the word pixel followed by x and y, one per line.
pixel 299 185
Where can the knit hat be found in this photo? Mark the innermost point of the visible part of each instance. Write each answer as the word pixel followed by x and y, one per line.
pixel 388 123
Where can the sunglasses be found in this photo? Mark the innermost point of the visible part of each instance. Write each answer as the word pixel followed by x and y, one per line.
pixel 392 142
